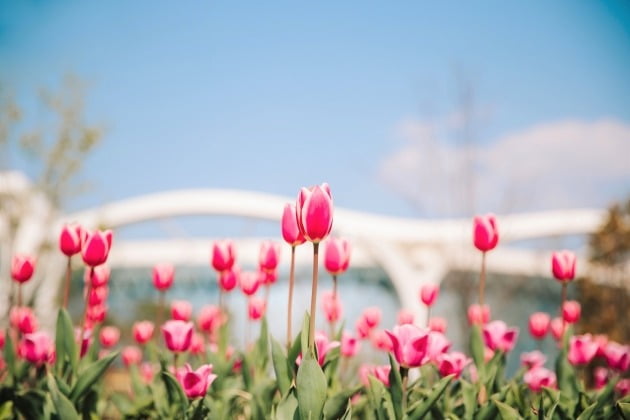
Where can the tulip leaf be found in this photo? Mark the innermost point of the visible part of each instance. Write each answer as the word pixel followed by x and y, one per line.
pixel 90 375
pixel 477 346
pixel 174 391
pixel 588 413
pixel 65 344
pixel 64 408
pixel 304 333
pixel 470 400
pixel 294 351
pixel 9 354
pixel 567 381
pixel 395 387
pixel 281 367
pixel 506 412
pixel 623 408
pixel 30 404
pixel 337 405
pixel 437 390
pixel 375 393
pixel 262 345
pixel 287 407
pixel 311 388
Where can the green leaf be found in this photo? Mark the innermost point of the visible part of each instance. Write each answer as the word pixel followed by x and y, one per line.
pixel 623 408
pixel 281 366
pixel 506 412
pixel 65 344
pixel 590 410
pixel 304 333
pixel 395 387
pixel 477 346
pixel 567 381
pixel 287 407
pixel 294 351
pixel 63 406
pixel 89 377
pixel 30 404
pixel 337 405
pixel 174 392
pixel 9 353
pixel 311 388
pixel 375 393
pixel 262 345
pixel 470 400
pixel 438 389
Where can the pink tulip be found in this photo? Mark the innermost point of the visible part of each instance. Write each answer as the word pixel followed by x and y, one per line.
pixel 363 330
pixel 109 336
pixel 177 335
pixel 349 344
pixel 250 281
pixel 602 342
pixel 381 341
pixel 437 346
pixel 2 339
pixel 323 346
pixel 143 331
pixel 487 354
pixel 381 373
pixel 147 372
pixel 623 387
pixel 23 319
pixel 437 324
pixel 557 328
pixel 336 255
pixel 600 377
pixel 210 318
pixel 429 293
pixel 99 276
pixel 563 265
pixel 405 316
pixel 256 308
pixel 498 336
pixel 290 230
pixel 582 349
pixel 269 277
pixel 131 355
pixel 163 276
pixel 539 325
pixel 453 363
pixel 96 313
pixel 22 267
pixel 331 305
pixel 196 382
pixel 70 239
pixel 314 212
pixel 618 356
pixel 571 311
pixel 539 377
pixel 38 347
pixel 181 310
pixel 269 255
pixel 197 346
pixel 410 345
pixel 228 279
pixel 95 247
pixel 478 315
pixel 97 295
pixel 86 341
pixel 533 359
pixel 223 255
pixel 485 232
pixel 372 316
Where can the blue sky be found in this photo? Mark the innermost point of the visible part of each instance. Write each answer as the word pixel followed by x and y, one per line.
pixel 271 96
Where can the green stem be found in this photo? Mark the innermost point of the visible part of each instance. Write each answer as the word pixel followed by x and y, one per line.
pixel 66 293
pixel 290 308
pixel 482 279
pixel 311 326
pixel 404 374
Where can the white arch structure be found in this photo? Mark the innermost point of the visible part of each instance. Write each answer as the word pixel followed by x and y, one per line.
pixel 411 251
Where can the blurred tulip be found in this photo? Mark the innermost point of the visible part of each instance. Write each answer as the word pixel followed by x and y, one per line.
pixel 163 276
pixel 314 212
pixel 429 293
pixel 557 328
pixel 539 377
pixel 290 230
pixel 131 355
pixel 498 336
pixel 405 316
pixel 623 387
pixel 381 341
pixel 563 265
pixel 533 359
pixel 143 331
pixel 539 325
pixel 269 255
pixel 600 377
pixel 23 319
pixel 95 247
pixel 195 383
pixel 437 346
pixel 86 340
pixel 349 344
pixel 223 255
pixel 256 308
pixel 109 336
pixel 181 310
pixel 96 313
pixel 38 347
pixel 323 346
pixel 602 342
pixel 197 346
pixel 437 324
pixel 70 239
pixel 177 335
pixel 372 316
pixel 331 305
pixel 618 356
pixel 250 281
pixel 478 315
pixel 22 267
pixel 453 363
pixel 147 372
pixel 571 311
pixel 410 345
pixel 485 232
pixel 363 330
pixel 2 339
pixel 228 279
pixel 269 277
pixel 582 349
pixel 97 295
pixel 336 255
pixel 98 277
pixel 209 319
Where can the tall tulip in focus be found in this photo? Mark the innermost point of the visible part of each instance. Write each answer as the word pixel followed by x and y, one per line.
pixel 563 269
pixel 293 236
pixel 69 244
pixel 314 214
pixel 485 238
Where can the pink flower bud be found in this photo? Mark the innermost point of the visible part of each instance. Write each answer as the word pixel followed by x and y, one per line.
pixel 336 255
pixel 290 230
pixel 95 247
pixel 96 313
pixel 177 335
pixel 485 232
pixel 147 372
pixel 22 267
pixel 269 255
pixel 196 382
pixel 197 346
pixel 131 355
pixel 372 316
pixel 86 340
pixel 410 345
pixel 2 339
pixel 323 346
pixel 331 305
pixel 99 276
pixel 228 279
pixel 582 349
pixel 314 212
pixel 163 276
pixel 429 293
pixel 70 239
pixel 381 341
pixel 209 319
pixel 478 315
pixel 268 277
pixel 557 328
pixel 250 281
pixel 437 324
pixel 571 311
pixel 349 344
pixel 97 295
pixel 223 255
pixel 405 316
pixel 533 359
pixel 143 331
pixel 381 373
pixel 498 336
pixel 38 347
pixel 600 377
pixel 109 336
pixel 539 377
pixel 539 325
pixel 23 319
pixel 437 346
pixel 453 363
pixel 256 308
pixel 181 310
pixel 563 265
pixel 618 356
pixel 623 387
pixel 602 342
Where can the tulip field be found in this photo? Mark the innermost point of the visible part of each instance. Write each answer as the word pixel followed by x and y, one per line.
pixel 186 364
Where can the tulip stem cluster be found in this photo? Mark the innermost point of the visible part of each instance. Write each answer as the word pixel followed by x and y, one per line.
pixel 311 326
pixel 290 306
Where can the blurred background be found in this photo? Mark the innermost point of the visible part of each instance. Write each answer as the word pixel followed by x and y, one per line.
pixel 416 111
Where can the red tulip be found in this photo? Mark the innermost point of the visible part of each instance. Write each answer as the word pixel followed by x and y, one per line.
pixel 223 255
pixel 228 279
pixel 163 276
pixel 582 349
pixel 95 247
pixel 290 230
pixel 250 281
pixel 410 345
pixel 109 336
pixel 131 355
pixel 269 255
pixel 195 383
pixel 429 293
pixel 23 319
pixel 100 276
pixel 143 331
pixel 563 265
pixel 70 239
pixel 349 344
pixel 437 324
pixel 533 359
pixel 38 348
pixel 181 310
pixel 453 363
pixel 256 308
pixel 331 305
pixel 210 318
pixel 22 267
pixel 314 212
pixel 539 377
pixel 478 314
pixel 485 232
pixel 405 316
pixel 336 255
pixel 177 335
pixel 539 325
pixel 571 311
pixel 498 336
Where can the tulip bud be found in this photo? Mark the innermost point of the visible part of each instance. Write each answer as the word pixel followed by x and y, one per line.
pixel 109 336
pixel 336 255
pixel 95 247
pixel 478 314
pixel 485 232
pixel 563 265
pixel 429 293
pixel 250 281
pixel 143 331
pixel 228 279
pixel 539 325
pixel 405 317
pixel 331 306
pixel 290 230
pixel 181 310
pixel 223 255
pixel 98 277
pixel 269 255
pixel 177 335
pixel 437 324
pixel 571 311
pixel 256 308
pixel 131 355
pixel 163 276
pixel 314 212
pixel 22 268
pixel 70 239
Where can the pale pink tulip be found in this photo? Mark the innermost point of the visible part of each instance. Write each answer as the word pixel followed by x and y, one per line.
pixel 372 316
pixel 131 355
pixel 618 356
pixel 163 276
pixel 331 305
pixel 96 313
pixel 314 212
pixel 256 307
pixel 197 346
pixel 557 328
pixel 623 387
pixel 97 295
pixel 290 230
pixel 571 311
pixel 177 335
pixel 485 232
pixel 70 239
pixel 250 281
pixel 336 255
pixel 600 377
pixel 210 318
pixel 478 315
pixel 109 336
pixel 22 267
pixel 437 346
pixel 429 293
pixel 147 371
pixel 381 373
pixel 323 346
pixel 498 336
pixel 349 344
pixel 602 342
pixel 98 276
pixel 228 279
pixel 23 318
pixel 38 347
pixel 539 377
pixel 143 331
pixel 381 341
pixel 582 349
pixel 181 310
pixel 223 255
pixel 196 382
pixel 539 325
pixel 563 265
pixel 437 324
pixel 405 316
pixel 410 344
pixel 533 359
pixel 95 247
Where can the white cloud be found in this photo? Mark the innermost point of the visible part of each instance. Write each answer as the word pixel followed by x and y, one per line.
pixel 560 164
